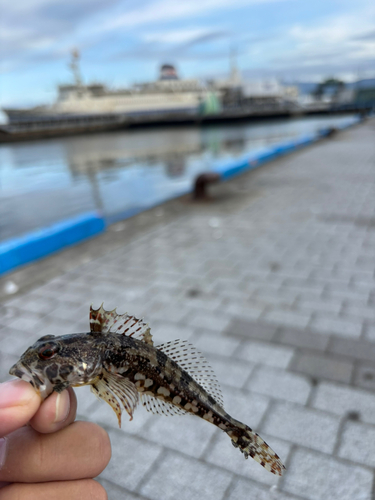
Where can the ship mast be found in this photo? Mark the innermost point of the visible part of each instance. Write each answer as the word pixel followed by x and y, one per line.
pixel 74 66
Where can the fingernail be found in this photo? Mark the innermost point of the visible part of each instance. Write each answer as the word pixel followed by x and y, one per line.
pixel 14 393
pixel 3 451
pixel 62 406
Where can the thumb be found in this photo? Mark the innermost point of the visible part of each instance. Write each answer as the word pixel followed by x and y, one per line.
pixel 18 403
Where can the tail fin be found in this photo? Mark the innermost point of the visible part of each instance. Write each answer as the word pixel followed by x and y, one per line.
pixel 253 445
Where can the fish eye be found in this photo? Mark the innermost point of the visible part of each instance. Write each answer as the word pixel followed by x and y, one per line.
pixel 48 351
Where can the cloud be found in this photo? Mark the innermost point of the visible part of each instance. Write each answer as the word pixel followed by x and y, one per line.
pixel 29 29
pixel 164 11
pixel 367 36
pixel 329 45
pixel 177 45
pixel 190 36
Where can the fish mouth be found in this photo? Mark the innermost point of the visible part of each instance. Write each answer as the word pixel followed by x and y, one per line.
pixel 41 385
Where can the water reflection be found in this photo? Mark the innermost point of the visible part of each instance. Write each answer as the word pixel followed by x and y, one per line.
pixel 120 173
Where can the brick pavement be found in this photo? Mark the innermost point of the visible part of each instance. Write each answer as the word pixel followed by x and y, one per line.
pixel 274 281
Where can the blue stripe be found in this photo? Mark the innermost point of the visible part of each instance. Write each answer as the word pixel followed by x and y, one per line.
pixel 229 168
pixel 37 244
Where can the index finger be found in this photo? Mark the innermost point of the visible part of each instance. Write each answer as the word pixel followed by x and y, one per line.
pixel 18 404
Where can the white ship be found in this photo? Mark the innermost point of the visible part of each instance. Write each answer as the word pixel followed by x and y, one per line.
pixel 169 94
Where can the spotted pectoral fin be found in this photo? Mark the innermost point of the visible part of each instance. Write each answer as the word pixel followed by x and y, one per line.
pixel 193 362
pixel 125 390
pixel 100 389
pixel 160 407
pixel 112 388
pixel 110 322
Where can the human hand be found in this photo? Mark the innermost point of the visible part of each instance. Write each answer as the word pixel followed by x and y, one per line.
pixel 53 457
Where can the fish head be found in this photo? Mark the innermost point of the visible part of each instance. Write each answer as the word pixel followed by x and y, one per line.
pixel 55 363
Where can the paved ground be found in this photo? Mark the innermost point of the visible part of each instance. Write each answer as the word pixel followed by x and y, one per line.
pixel 275 282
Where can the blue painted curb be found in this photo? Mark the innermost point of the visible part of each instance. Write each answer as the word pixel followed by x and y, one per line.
pixel 32 246
pixel 229 169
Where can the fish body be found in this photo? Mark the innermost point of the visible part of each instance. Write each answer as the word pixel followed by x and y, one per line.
pixel 118 360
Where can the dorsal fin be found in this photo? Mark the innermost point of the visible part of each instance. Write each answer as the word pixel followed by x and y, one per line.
pixel 193 362
pixel 160 407
pixel 110 322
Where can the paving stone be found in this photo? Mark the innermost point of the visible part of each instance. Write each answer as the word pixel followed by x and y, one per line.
pixel 224 455
pixel 314 476
pixel 243 311
pixel 357 349
pixel 15 342
pixel 25 321
pixel 196 480
pixel 38 305
pixel 370 332
pixel 115 492
pixel 360 312
pixel 65 310
pixel 303 426
pixel 248 407
pixel 280 385
pixel 271 355
pixel 316 306
pixel 6 361
pixel 357 443
pixel 132 460
pixel 164 332
pixel 209 343
pixel 250 329
pixel 242 488
pixel 166 312
pixel 187 434
pixel 337 326
pixel 208 321
pixel 302 338
pixel 276 297
pixel 231 372
pixel 341 400
pixel 290 318
pixel 322 366
pixel 364 375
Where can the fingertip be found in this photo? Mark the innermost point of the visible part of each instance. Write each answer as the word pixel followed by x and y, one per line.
pixel 56 412
pixel 18 393
pixel 18 403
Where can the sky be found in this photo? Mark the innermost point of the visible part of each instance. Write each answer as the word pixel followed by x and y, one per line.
pixel 122 42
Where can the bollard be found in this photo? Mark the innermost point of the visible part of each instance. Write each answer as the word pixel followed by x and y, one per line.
pixel 200 184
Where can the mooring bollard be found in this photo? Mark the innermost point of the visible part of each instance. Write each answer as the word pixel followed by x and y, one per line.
pixel 200 184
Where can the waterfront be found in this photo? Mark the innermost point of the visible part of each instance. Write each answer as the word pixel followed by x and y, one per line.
pixel 120 173
pixel 274 283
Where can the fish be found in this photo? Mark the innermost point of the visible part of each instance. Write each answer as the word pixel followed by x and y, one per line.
pixel 120 362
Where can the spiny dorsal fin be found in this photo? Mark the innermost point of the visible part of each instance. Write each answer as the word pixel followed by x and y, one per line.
pixel 110 322
pixel 160 407
pixel 193 362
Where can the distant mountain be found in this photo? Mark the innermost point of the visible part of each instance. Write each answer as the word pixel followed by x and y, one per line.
pixel 308 87
pixel 366 83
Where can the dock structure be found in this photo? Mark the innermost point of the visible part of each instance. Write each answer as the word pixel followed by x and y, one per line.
pixel 273 279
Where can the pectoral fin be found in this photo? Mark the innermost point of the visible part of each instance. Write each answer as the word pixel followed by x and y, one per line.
pixel 112 388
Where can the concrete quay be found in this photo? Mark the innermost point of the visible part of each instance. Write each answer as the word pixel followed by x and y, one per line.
pixel 274 281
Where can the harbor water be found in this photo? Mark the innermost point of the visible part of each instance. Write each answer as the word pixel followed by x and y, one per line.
pixel 124 172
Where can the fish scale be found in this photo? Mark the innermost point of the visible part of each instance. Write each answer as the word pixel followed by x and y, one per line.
pixel 118 359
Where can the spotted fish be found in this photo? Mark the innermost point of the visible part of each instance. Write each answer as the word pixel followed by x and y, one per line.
pixel 118 359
